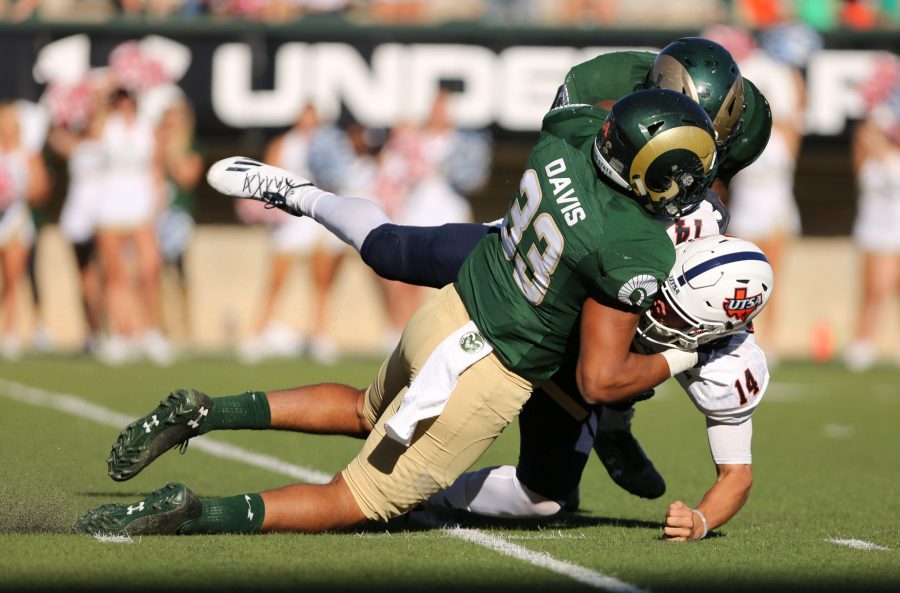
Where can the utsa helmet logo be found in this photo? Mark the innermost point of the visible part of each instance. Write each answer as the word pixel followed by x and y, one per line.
pixel 741 306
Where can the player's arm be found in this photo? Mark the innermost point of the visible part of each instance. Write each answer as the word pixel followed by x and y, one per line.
pixel 727 388
pixel 720 503
pixel 607 370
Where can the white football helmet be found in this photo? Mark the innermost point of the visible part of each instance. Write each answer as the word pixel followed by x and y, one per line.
pixel 716 287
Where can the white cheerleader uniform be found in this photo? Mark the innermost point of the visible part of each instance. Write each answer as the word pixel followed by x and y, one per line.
pixel 300 235
pixel 130 192
pixel 15 218
pixel 761 196
pixel 433 201
pixel 87 167
pixel 877 226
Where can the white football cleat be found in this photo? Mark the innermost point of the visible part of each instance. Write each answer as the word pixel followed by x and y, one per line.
pixel 241 177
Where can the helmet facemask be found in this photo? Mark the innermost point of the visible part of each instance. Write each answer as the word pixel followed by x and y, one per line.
pixel 666 324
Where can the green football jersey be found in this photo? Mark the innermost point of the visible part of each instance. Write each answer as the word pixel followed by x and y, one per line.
pixel 611 76
pixel 566 237
pixel 607 77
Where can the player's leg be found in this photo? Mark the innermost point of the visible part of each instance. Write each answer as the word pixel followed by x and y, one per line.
pixel 176 509
pixel 554 448
pixel 615 444
pixel 622 455
pixel 351 219
pixel 428 256
pixel 328 408
pixel 425 256
pixel 386 479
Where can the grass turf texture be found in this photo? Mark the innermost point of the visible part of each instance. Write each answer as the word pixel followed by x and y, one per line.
pixel 826 465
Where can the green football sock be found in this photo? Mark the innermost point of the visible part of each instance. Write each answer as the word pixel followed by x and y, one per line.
pixel 243 513
pixel 247 410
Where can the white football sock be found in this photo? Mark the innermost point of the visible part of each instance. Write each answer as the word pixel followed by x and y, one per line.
pixel 494 492
pixel 350 219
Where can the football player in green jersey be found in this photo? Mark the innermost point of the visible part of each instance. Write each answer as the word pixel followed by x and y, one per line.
pixel 697 67
pixel 579 257
pixel 694 66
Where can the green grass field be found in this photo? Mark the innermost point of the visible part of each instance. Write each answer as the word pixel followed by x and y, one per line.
pixel 826 465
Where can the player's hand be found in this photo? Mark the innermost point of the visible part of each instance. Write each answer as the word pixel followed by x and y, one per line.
pixel 679 525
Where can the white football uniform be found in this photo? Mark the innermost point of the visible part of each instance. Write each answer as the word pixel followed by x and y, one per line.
pixel 704 221
pixel 726 389
pixel 729 386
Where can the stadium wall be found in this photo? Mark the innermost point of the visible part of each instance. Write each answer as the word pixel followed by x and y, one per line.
pixel 227 273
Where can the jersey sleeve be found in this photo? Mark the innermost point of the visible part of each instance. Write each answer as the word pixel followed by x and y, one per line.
pixel 728 388
pixel 632 264
pixel 730 443
pixel 757 126
pixel 604 78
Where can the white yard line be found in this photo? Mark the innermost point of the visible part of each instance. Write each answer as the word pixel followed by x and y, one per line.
pixel 857 544
pixel 837 431
pixel 76 406
pixel 113 539
pixel 573 571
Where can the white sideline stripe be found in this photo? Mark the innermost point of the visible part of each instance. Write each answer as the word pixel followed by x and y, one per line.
pixel 76 406
pixel 857 544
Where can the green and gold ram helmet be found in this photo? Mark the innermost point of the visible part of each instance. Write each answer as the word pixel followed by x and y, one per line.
pixel 658 146
pixel 704 71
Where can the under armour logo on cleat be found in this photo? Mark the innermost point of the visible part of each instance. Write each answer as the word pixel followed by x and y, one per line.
pixel 196 423
pixel 153 422
pixel 249 508
pixel 139 507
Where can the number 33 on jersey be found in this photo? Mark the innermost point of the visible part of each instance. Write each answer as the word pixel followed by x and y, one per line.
pixel 566 236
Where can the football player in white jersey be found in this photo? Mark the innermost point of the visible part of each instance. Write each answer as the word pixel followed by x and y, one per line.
pixel 717 286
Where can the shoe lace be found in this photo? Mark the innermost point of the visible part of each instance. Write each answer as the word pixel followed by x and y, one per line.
pixel 272 190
